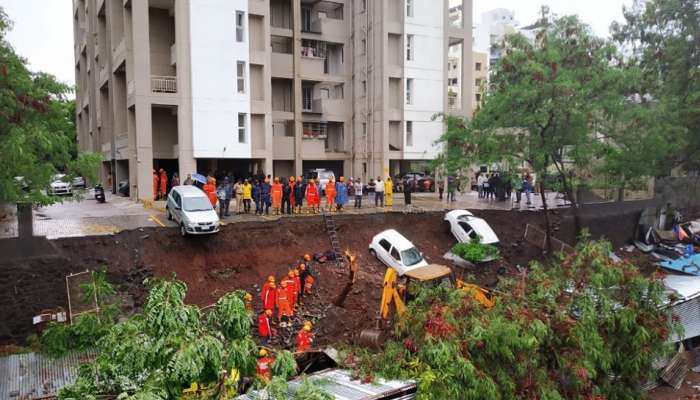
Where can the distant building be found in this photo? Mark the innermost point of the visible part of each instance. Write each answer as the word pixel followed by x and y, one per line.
pixel 480 74
pixel 491 31
pixel 275 86
pixel 481 77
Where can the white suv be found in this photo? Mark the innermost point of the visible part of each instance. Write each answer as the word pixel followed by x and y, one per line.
pixel 192 210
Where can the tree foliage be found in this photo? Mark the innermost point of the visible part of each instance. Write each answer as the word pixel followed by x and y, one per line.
pixel 157 354
pixel 661 39
pixel 567 330
pixel 37 128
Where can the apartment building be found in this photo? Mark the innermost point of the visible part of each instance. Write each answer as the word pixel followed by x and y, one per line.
pixel 454 76
pixel 265 86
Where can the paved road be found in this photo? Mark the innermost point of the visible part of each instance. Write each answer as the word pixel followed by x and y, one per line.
pixel 87 217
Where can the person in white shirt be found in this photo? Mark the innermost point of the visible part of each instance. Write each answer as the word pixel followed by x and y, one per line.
pixel 379 199
pixel 358 193
pixel 480 185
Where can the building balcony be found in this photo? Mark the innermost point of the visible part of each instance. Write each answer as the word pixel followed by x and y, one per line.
pixel 104 74
pixel 173 55
pixel 329 106
pixel 283 147
pixel 282 65
pixel 332 29
pixel 312 66
pixel 163 84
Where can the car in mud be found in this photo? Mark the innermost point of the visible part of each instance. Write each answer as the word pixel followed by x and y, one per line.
pixel 191 209
pixel 59 186
pixel 465 227
pixel 397 252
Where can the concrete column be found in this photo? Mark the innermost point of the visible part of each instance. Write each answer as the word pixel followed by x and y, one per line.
pixel 187 162
pixel 296 57
pixel 142 90
pixel 25 220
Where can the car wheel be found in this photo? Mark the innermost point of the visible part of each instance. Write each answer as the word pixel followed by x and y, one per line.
pixel 373 253
pixel 167 213
pixel 183 231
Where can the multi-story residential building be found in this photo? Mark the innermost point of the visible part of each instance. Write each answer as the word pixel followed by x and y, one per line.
pixel 491 31
pixel 480 74
pixel 265 86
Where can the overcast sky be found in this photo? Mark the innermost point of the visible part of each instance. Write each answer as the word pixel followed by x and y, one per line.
pixel 43 29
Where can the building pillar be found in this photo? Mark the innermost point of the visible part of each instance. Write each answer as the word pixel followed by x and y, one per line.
pixel 296 57
pixel 187 163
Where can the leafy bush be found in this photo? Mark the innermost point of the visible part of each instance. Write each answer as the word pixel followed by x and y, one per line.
pixel 284 366
pixel 474 251
pixel 541 339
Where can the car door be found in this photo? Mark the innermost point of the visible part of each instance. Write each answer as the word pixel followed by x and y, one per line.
pixel 462 231
pixel 177 209
pixel 383 251
pixel 395 258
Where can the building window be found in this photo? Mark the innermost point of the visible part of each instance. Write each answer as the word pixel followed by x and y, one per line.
pixel 409 47
pixel 409 133
pixel 240 75
pixel 364 5
pixel 477 82
pixel 307 101
pixel 305 19
pixel 478 97
pixel 364 88
pixel 240 18
pixel 409 91
pixel 409 8
pixel 478 67
pixel 241 128
pixel 363 47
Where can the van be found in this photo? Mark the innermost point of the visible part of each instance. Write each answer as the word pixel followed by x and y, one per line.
pixel 323 176
pixel 191 209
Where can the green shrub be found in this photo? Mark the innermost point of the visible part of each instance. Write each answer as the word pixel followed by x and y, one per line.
pixel 474 251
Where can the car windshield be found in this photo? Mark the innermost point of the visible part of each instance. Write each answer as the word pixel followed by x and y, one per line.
pixel 411 257
pixel 196 204
pixel 57 178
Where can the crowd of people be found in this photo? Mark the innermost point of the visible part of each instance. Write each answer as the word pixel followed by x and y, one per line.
pixel 293 195
pixel 493 186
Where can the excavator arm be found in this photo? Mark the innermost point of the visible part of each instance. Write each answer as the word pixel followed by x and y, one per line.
pixel 391 295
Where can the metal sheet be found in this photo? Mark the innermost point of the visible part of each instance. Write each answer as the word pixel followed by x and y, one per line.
pixel 689 317
pixel 35 376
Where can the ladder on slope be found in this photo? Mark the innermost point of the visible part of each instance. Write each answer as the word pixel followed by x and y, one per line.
pixel 332 232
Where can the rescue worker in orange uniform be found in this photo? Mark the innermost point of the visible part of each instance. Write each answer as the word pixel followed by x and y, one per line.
pixel 268 294
pixel 330 194
pixel 291 288
pixel 284 307
pixel 265 329
pixel 308 285
pixel 264 367
pixel 163 183
pixel 307 257
pixel 276 194
pixel 210 189
pixel 304 338
pixel 292 185
pixel 155 185
pixel 312 197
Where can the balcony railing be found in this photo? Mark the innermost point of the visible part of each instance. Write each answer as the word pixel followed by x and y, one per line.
pixel 163 84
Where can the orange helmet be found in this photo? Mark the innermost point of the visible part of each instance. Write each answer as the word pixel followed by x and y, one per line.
pixel 262 353
pixel 307 326
pixel 302 266
pixel 268 312
pixel 290 273
pixel 307 257
pixel 283 283
pixel 271 279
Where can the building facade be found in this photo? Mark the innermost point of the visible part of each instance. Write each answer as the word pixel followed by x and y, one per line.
pixel 266 86
pixel 492 30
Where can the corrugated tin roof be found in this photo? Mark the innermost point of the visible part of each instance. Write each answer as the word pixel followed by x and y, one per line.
pixel 35 376
pixel 341 385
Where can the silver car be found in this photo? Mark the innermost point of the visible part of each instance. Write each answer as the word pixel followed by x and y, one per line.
pixel 58 186
pixel 192 210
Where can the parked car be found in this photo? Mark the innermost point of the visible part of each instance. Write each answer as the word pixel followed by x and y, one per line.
pixel 58 186
pixel 397 252
pixel 79 182
pixel 192 210
pixel 22 183
pixel 466 227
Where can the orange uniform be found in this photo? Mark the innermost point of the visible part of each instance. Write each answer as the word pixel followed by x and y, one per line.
pixel 210 190
pixel 284 306
pixel 304 339
pixel 155 185
pixel 292 291
pixel 163 182
pixel 330 192
pixel 268 295
pixel 297 286
pixel 276 194
pixel 312 198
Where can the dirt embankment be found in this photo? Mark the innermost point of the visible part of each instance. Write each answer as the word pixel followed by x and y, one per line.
pixel 244 254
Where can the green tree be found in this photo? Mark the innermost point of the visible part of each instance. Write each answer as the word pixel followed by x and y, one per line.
pixel 661 38
pixel 547 101
pixel 576 328
pixel 37 129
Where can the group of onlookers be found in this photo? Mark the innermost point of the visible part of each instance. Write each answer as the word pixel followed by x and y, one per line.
pixel 494 186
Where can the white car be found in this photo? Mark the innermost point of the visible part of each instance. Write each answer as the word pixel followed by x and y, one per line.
pixel 323 176
pixel 466 227
pixel 397 252
pixel 192 210
pixel 59 186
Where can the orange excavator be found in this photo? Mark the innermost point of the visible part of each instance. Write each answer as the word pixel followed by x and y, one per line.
pixel 395 296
